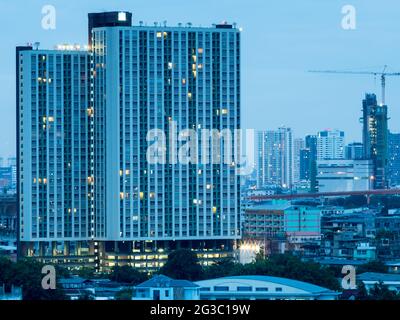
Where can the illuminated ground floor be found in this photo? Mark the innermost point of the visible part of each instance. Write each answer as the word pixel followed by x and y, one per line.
pixel 147 256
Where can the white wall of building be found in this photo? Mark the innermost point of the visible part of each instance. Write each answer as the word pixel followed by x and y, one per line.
pixel 344 175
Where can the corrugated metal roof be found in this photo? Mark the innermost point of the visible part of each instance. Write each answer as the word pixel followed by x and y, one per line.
pixel 161 281
pixel 375 276
pixel 311 288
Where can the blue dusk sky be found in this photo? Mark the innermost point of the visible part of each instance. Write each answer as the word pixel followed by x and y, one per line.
pixel 281 40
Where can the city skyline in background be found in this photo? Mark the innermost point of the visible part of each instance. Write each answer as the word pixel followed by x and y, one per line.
pixel 275 79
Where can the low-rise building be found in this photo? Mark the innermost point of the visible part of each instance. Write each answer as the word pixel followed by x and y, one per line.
pixel 302 225
pixel 161 287
pixel 388 236
pixel 98 289
pixel 262 288
pixel 264 225
pixel 361 223
pixel 265 220
pixel 344 175
pixel 391 281
pixel 393 266
pixel 281 226
pixel 364 251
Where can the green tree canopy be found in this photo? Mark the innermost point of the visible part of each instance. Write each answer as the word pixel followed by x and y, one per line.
pixel 381 292
pixel 28 275
pixel 124 294
pixel 372 266
pixel 183 264
pixel 127 274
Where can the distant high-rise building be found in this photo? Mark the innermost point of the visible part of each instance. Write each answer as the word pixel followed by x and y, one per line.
pixel 311 145
pixel 354 151
pixel 275 158
pixel 5 179
pixel 394 159
pixel 298 145
pixel 11 161
pixel 305 164
pixel 375 138
pixel 330 145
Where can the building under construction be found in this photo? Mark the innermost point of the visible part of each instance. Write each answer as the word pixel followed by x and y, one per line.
pixel 375 138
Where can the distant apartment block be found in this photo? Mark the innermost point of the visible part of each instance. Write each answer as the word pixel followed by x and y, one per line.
pixel 8 175
pixel 330 145
pixel 305 164
pixel 393 159
pixel 354 151
pixel 298 145
pixel 275 161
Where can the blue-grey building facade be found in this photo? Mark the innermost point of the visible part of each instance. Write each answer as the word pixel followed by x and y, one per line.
pixel 86 185
pixel 147 78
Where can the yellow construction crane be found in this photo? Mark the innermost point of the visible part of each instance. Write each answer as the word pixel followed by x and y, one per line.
pixel 383 74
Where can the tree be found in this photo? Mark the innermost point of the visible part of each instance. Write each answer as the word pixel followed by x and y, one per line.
pixel 362 293
pixel 182 264
pixel 86 272
pixel 127 274
pixel 6 270
pixel 219 269
pixel 28 275
pixel 124 294
pixel 382 292
pixel 292 267
pixel 372 266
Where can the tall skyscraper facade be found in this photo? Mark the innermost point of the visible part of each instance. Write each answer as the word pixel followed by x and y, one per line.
pixel 275 158
pixel 375 138
pixel 311 145
pixel 305 164
pixel 156 76
pixel 53 152
pixel 298 145
pixel 394 159
pixel 330 145
pixel 87 185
